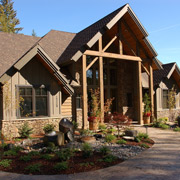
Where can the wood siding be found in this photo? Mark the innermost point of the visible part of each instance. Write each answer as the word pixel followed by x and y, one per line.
pixel 35 74
pixel 66 107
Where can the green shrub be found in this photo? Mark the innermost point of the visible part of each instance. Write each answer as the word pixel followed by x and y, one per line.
pixel 109 138
pixel 111 130
pixel 25 158
pixel 3 146
pixel 33 168
pixel 159 122
pixel 177 129
pixel 86 164
pixel 142 136
pixel 51 145
pixel 5 163
pixel 109 158
pixel 86 132
pixel 49 128
pixel 25 130
pixel 75 125
pixel 164 126
pixel 121 141
pixel 17 148
pixel 46 156
pixel 61 166
pixel 102 127
pixel 104 150
pixel 87 150
pixel 10 152
pixel 137 139
pixel 34 153
pixel 65 154
pixel 144 145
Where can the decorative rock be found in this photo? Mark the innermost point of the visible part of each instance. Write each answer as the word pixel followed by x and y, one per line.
pixel 98 136
pixel 77 133
pixel 88 139
pixel 52 139
pixel 27 142
pixel 132 133
pixel 128 138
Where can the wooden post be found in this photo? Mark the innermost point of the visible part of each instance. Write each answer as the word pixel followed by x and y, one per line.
pixel 151 91
pixel 139 100
pixel 101 81
pixel 120 38
pixel 84 92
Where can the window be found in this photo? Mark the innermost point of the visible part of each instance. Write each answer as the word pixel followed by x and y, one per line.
pixel 165 99
pixel 89 77
pixel 78 102
pixel 34 102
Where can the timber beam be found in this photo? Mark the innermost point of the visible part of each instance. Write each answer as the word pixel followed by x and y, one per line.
pixel 112 55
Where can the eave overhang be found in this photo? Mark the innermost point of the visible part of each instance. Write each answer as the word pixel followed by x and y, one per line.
pixel 37 50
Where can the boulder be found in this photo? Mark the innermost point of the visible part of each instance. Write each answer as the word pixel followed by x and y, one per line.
pixel 88 139
pixel 132 133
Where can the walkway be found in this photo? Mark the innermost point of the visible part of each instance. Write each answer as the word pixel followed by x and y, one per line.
pixel 161 162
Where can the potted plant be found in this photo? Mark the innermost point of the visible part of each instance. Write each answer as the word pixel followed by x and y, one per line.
pixel 49 129
pixel 147 109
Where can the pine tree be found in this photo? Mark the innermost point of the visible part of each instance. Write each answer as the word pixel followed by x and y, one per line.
pixel 8 20
pixel 34 33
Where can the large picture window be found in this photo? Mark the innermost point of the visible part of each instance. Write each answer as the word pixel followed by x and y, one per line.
pixel 34 102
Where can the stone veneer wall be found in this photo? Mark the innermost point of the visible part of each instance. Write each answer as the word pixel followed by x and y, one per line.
pixel 165 113
pixel 11 126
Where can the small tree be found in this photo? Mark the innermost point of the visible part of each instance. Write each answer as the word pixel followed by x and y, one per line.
pixel 8 20
pixel 147 103
pixel 172 103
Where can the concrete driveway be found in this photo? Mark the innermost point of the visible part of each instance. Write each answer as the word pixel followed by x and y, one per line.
pixel 161 162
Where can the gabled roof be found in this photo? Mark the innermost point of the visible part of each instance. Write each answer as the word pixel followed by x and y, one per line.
pixel 55 42
pixel 161 74
pixel 88 37
pixel 17 50
pixel 12 47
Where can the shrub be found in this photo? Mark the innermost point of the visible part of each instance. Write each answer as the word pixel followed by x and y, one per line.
pixel 5 163
pixel 121 141
pixel 46 156
pixel 144 145
pixel 109 138
pixel 142 136
pixel 25 130
pixel 51 145
pixel 164 126
pixel 25 158
pixel 109 158
pixel 10 152
pixel 104 150
pixel 65 154
pixel 102 127
pixel 111 130
pixel 159 122
pixel 61 166
pixel 49 128
pixel 75 125
pixel 86 150
pixel 137 139
pixel 177 129
pixel 86 164
pixel 33 168
pixel 34 153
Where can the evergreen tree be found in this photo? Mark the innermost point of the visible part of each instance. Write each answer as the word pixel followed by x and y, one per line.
pixel 34 33
pixel 8 20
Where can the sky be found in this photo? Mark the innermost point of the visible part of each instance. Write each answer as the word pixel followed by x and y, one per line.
pixel 161 19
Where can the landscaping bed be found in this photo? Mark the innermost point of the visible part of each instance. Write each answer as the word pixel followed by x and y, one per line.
pixel 72 158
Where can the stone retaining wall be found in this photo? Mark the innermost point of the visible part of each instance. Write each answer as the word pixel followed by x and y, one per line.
pixel 166 113
pixel 10 127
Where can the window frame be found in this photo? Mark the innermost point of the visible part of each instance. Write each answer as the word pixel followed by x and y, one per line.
pixel 33 100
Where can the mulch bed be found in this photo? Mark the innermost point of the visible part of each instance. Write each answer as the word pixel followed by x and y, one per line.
pixel 75 165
